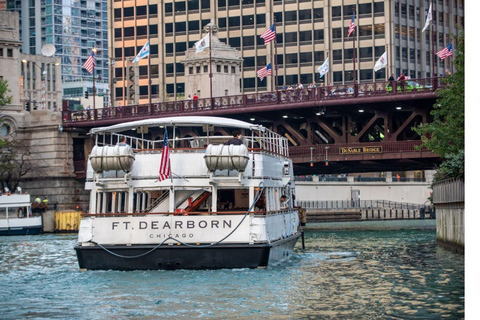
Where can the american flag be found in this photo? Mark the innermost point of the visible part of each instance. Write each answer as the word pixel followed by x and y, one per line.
pixel 165 161
pixel 352 26
pixel 265 71
pixel 90 63
pixel 269 34
pixel 445 52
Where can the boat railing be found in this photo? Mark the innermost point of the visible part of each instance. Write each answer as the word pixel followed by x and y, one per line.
pixel 269 141
pixel 193 213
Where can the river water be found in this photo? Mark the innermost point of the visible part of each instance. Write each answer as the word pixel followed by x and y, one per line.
pixel 395 274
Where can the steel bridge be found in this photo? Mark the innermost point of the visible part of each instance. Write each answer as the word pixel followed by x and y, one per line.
pixel 335 129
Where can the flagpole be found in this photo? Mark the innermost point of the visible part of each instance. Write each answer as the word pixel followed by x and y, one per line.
pixel 432 52
pixel 276 60
pixel 93 81
pixel 149 77
pixel 211 73
pixel 354 70
pixel 326 73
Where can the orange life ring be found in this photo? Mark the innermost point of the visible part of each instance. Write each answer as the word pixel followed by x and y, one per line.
pixel 181 212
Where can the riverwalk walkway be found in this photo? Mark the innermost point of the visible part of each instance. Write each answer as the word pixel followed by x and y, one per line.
pixel 427 224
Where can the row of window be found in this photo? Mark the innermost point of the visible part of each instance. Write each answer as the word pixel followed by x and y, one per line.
pixel 6 53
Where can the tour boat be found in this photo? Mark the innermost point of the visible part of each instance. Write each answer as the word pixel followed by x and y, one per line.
pixel 174 195
pixel 16 217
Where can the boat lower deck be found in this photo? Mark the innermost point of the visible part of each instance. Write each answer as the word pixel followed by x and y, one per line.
pixel 171 257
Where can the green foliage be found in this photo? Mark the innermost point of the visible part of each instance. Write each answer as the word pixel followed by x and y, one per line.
pixel 4 90
pixel 452 167
pixel 445 134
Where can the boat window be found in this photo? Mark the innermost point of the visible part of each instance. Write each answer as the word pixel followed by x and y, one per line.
pixel 232 199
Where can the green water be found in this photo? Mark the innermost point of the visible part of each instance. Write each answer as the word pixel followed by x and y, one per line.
pixel 393 274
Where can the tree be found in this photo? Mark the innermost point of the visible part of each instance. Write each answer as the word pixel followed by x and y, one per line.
pixel 4 90
pixel 445 135
pixel 15 162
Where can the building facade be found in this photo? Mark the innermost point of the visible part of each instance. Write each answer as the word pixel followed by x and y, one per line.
pixel 308 31
pixel 73 27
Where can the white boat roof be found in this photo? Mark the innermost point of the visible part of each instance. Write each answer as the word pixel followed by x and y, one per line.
pixel 185 121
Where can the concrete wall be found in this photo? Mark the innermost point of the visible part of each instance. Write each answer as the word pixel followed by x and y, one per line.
pixel 451 227
pixel 411 192
pixel 449 200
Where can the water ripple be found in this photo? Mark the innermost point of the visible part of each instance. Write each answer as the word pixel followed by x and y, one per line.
pixel 340 275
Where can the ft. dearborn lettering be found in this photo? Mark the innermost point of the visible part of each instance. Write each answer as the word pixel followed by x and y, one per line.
pixel 189 224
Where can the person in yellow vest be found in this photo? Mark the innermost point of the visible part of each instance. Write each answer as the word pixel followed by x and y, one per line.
pixel 38 200
pixel 45 201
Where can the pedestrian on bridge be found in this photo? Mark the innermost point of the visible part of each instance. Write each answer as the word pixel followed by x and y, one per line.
pixel 195 101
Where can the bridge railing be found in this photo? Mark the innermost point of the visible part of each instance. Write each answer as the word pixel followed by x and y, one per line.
pixel 248 100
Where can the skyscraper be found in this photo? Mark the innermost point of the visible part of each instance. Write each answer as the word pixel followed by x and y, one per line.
pixel 73 27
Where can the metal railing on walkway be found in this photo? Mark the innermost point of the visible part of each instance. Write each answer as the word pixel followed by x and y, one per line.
pixel 353 204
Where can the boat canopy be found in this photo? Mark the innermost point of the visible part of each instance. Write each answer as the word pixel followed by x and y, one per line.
pixel 186 121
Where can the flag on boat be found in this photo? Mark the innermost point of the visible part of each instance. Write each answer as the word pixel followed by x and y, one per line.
pixel 202 43
pixel 165 161
pixel 265 71
pixel 145 52
pixel 323 68
pixel 382 62
pixel 269 34
pixel 445 52
pixel 351 28
pixel 90 63
pixel 428 19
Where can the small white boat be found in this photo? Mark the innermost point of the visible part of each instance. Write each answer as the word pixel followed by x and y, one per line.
pixel 16 217
pixel 196 204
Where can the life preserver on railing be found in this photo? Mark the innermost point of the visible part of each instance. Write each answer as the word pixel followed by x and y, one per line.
pixel 181 212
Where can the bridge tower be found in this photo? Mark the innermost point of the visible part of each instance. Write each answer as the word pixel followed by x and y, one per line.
pixel 222 64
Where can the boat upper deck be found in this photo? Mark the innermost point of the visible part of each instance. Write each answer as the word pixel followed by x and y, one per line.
pixel 259 139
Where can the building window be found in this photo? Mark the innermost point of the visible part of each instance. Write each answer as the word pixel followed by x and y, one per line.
pixel 366 74
pixel 378 8
pixel 219 68
pixel 337 33
pixel 338 76
pixel 365 9
pixel 248 83
pixel 291 58
pixel 336 12
pixel 6 129
pixel 318 14
pixel 318 34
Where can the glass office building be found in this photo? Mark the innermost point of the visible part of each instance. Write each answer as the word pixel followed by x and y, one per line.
pixel 74 27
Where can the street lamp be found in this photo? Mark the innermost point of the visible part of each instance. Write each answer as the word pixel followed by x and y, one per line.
pixel 43 74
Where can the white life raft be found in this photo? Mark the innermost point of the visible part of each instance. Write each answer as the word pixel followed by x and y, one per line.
pixel 118 157
pixel 226 157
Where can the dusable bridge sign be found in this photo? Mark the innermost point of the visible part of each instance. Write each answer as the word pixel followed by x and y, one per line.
pixel 360 150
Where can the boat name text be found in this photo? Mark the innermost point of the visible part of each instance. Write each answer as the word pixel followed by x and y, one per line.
pixel 157 225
